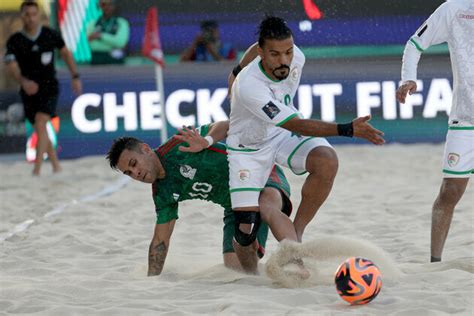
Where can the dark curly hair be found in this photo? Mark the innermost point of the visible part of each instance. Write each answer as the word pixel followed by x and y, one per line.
pixel 118 146
pixel 273 27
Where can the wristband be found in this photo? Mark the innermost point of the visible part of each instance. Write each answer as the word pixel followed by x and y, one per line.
pixel 209 140
pixel 75 76
pixel 236 70
pixel 345 129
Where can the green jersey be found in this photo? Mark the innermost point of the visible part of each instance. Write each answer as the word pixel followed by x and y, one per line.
pixel 203 176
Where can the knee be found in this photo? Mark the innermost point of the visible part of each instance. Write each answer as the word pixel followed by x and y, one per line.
pixel 450 192
pixel 40 121
pixel 323 161
pixel 269 202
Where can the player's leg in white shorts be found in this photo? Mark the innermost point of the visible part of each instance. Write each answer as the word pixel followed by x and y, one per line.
pixel 458 159
pixel 294 150
pixel 248 172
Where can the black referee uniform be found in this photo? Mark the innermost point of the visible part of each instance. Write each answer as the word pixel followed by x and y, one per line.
pixel 35 58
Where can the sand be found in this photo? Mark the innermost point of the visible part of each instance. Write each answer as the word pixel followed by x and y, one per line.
pixel 76 243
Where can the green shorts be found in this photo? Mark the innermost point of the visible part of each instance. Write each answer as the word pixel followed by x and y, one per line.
pixel 276 180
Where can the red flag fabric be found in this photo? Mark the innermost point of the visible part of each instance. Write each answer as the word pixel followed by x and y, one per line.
pixel 312 10
pixel 151 47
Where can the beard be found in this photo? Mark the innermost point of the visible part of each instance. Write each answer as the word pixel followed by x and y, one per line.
pixel 279 75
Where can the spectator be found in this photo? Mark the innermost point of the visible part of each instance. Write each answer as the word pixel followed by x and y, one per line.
pixel 108 36
pixel 207 45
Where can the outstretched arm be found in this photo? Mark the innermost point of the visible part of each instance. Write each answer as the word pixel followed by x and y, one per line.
pixel 359 127
pixel 217 132
pixel 159 247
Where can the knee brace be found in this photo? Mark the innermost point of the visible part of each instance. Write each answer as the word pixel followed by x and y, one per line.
pixel 246 217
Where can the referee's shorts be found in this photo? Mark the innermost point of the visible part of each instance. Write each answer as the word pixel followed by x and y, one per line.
pixel 44 101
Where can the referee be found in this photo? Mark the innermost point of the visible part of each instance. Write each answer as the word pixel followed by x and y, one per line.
pixel 30 60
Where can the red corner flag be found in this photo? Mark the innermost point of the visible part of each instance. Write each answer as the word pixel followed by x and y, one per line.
pixel 151 47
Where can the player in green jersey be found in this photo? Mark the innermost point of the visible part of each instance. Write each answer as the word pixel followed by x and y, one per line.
pixel 177 174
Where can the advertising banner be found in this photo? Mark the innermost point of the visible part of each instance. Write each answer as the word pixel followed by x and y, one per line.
pixel 121 101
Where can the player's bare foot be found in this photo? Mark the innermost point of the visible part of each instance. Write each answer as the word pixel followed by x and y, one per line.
pixel 296 269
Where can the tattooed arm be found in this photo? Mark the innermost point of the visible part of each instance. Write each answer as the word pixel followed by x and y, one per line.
pixel 159 247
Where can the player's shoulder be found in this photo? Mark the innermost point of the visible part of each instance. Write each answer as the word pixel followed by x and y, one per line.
pixel 451 7
pixel 251 75
pixel 298 54
pixel 459 3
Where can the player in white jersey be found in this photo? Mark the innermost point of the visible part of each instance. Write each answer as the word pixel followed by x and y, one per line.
pixel 265 128
pixel 452 22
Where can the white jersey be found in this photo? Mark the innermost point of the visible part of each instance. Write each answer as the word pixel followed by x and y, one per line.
pixel 452 22
pixel 260 104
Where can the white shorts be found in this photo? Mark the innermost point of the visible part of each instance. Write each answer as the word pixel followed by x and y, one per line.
pixel 249 169
pixel 458 159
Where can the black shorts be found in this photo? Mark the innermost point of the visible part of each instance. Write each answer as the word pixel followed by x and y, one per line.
pixel 45 101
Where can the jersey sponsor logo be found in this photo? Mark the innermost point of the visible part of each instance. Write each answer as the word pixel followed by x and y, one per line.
pixel 244 175
pixel 187 171
pixel 271 110
pixel 46 58
pixel 453 159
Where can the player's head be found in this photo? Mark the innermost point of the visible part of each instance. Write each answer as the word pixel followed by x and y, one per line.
pixel 275 46
pixel 134 158
pixel 30 14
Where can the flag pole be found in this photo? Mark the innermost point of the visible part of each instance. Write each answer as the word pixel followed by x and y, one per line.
pixel 151 48
pixel 161 91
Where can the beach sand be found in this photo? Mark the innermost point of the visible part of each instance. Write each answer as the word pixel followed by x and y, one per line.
pixel 77 243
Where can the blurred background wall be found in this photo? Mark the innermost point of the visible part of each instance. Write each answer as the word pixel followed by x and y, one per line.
pixel 353 50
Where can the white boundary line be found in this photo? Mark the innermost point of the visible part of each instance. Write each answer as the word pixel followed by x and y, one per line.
pixel 59 209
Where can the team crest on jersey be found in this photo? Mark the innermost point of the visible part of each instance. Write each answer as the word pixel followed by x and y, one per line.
pixel 294 74
pixel 46 58
pixel 271 110
pixel 453 159
pixel 187 171
pixel 244 175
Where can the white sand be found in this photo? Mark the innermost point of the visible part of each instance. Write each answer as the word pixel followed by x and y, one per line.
pixel 91 257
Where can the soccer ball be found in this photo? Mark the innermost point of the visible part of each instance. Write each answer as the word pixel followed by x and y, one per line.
pixel 358 281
